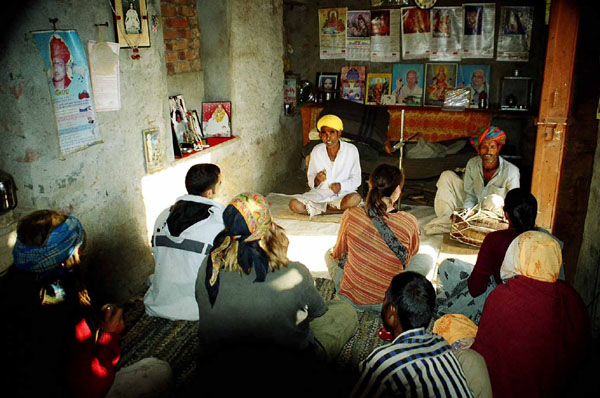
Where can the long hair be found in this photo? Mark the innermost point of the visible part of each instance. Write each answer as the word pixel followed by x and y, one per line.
pixel 274 243
pixel 382 183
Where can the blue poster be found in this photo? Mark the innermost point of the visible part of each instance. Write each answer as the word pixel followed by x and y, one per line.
pixel 476 78
pixel 407 84
pixel 69 82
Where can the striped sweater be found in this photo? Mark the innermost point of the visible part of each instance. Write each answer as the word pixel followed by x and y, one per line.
pixel 415 364
pixel 371 264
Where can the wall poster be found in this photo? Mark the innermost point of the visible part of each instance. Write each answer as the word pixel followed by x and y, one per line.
pixel 385 36
pixel 478 33
pixel 439 78
pixel 514 38
pixel 358 35
pixel 416 33
pixel 70 89
pixel 446 33
pixel 332 33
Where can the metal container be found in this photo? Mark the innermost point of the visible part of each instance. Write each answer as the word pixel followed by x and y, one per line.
pixel 8 192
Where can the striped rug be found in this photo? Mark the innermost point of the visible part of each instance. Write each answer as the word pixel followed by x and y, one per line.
pixel 176 341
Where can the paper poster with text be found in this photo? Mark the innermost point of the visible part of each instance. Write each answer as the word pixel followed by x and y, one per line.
pixel 332 33
pixel 104 72
pixel 446 33
pixel 514 38
pixel 478 30
pixel 385 35
pixel 358 35
pixel 416 33
pixel 69 82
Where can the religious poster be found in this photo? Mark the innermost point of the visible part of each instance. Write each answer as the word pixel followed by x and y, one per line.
pixel 358 35
pixel 216 119
pixel 407 86
pixel 332 33
pixel 478 30
pixel 353 83
pixel 416 33
pixel 104 72
pixel 446 33
pixel 290 87
pixel 70 89
pixel 385 36
pixel 514 38
pixel 439 78
pixel 378 85
pixel 477 79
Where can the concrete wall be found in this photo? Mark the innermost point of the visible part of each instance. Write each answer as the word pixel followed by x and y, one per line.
pixel 106 185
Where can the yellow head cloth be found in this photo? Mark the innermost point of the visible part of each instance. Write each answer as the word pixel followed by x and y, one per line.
pixel 534 254
pixel 331 121
pixel 454 327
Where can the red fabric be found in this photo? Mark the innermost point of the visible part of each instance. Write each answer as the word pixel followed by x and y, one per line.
pixel 92 366
pixel 489 260
pixel 532 335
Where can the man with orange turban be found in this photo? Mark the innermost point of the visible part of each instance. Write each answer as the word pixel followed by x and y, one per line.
pixel 485 175
pixel 60 57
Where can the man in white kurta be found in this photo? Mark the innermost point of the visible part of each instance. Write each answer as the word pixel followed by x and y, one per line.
pixel 485 175
pixel 333 174
pixel 183 236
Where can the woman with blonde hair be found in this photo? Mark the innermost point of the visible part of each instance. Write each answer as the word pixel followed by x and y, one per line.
pixel 250 296
pixel 375 242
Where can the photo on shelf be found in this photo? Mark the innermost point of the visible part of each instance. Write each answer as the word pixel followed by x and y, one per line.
pixel 407 84
pixel 152 149
pixel 216 119
pixel 353 83
pixel 476 78
pixel 439 77
pixel 179 124
pixel 328 80
pixel 378 84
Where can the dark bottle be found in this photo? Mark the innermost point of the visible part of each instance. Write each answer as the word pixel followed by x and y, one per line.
pixel 482 100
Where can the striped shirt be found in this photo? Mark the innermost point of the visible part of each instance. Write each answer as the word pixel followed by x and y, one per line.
pixel 371 264
pixel 415 364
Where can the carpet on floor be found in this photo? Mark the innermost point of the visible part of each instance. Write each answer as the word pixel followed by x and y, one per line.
pixel 177 341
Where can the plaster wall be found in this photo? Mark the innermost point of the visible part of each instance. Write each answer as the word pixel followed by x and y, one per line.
pixel 106 185
pixel 191 86
pixel 215 19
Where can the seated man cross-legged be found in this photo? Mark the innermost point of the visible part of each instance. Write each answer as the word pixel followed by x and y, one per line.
pixel 485 175
pixel 416 363
pixel 333 173
pixel 183 235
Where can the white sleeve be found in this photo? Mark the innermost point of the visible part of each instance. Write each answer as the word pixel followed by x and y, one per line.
pixel 354 179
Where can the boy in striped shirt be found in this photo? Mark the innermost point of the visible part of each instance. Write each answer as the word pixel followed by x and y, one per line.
pixel 416 363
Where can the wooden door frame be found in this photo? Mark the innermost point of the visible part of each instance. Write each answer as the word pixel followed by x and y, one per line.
pixel 553 115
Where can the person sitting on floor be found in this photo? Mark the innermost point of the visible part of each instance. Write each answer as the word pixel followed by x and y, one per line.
pixel 333 173
pixel 58 344
pixel 183 235
pixel 374 243
pixel 416 363
pixel 534 329
pixel 485 175
pixel 456 296
pixel 249 293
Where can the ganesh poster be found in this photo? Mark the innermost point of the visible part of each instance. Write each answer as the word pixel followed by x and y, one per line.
pixel 68 77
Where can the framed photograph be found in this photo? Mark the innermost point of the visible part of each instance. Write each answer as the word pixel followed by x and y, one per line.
pixel 132 23
pixel 378 84
pixel 353 83
pixel 179 124
pixel 476 78
pixel 439 77
pixel 328 81
pixel 216 119
pixel 407 84
pixel 195 125
pixel 152 149
pixel 290 88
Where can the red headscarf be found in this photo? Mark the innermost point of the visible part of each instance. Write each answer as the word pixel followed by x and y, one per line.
pixel 58 49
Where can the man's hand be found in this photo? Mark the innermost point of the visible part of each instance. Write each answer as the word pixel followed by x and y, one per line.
pixel 336 187
pixel 320 177
pixel 113 319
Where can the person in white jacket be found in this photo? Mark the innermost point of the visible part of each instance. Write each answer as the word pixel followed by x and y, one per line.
pixel 333 174
pixel 183 235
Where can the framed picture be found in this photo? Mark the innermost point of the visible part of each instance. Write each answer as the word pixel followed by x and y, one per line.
pixel 328 81
pixel 353 83
pixel 216 119
pixel 132 23
pixel 152 149
pixel 195 125
pixel 439 77
pixel 290 88
pixel 378 84
pixel 179 124
pixel 476 78
pixel 407 84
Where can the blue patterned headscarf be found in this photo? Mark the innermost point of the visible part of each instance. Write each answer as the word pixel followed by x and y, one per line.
pixel 60 246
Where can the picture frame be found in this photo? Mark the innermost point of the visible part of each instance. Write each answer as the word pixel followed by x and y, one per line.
pixel 407 84
pixel 477 79
pixel 216 119
pixel 328 81
pixel 290 92
pixel 378 84
pixel 195 125
pixel 352 86
pixel 439 77
pixel 152 149
pixel 179 126
pixel 131 23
